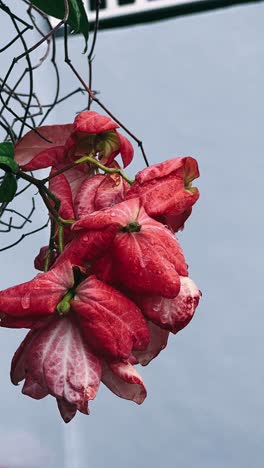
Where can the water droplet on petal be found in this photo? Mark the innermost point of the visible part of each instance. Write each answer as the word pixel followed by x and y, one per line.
pixel 25 301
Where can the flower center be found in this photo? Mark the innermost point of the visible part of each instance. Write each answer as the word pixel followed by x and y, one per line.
pixel 63 307
pixel 134 226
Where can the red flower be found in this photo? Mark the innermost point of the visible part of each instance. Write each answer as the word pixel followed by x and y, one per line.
pixel 81 194
pixel 145 256
pixel 90 134
pixel 56 360
pixel 166 192
pixel 97 134
pixel 111 323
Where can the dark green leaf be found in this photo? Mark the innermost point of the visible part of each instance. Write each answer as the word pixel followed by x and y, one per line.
pixel 8 164
pixel 7 149
pixel 77 20
pixel 8 188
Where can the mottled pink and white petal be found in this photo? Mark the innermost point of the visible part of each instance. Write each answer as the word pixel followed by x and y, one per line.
pixel 158 341
pixel 172 314
pixel 60 360
pixel 123 380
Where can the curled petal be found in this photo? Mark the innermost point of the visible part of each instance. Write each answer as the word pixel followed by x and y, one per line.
pixel 173 314
pixel 60 187
pixel 158 341
pixel 165 188
pixel 44 253
pixel 110 322
pixel 17 373
pixel 123 380
pixel 33 152
pixel 126 149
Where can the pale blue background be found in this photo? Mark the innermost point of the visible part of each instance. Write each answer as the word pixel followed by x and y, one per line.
pixel 189 86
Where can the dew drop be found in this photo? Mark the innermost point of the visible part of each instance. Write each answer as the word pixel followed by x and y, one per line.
pixel 25 301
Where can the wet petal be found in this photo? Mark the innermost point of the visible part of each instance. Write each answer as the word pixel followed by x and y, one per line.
pixel 39 296
pixel 110 322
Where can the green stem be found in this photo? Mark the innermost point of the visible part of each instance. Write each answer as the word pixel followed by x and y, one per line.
pixel 108 170
pixel 64 305
pixel 61 237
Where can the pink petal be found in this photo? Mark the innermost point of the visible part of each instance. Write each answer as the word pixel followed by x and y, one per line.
pixel 123 380
pixel 172 314
pixel 86 246
pixel 175 222
pixel 158 341
pixel 164 188
pixel 111 191
pixel 84 202
pixel 149 261
pixel 33 152
pixel 60 187
pixel 110 322
pixel 17 373
pixel 30 321
pixel 33 389
pixel 67 410
pixel 75 177
pixel 126 150
pixel 60 360
pixel 104 269
pixel 119 215
pixel 185 166
pixel 92 122
pixel 38 296
pixel 40 259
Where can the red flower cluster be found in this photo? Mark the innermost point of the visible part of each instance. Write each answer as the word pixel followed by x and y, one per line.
pixel 110 299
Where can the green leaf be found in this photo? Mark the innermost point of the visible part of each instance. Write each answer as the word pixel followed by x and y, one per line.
pixel 77 20
pixel 8 164
pixel 7 149
pixel 8 188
